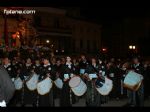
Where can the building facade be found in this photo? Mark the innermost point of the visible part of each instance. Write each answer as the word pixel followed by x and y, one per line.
pixel 60 30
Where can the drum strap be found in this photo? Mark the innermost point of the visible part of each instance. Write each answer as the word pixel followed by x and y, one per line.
pixel 22 95
pixel 70 97
pixel 92 92
pixel 121 87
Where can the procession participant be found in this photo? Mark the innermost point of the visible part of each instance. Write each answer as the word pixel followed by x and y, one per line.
pixel 92 95
pixel 18 66
pixel 138 96
pixel 37 68
pixel 25 73
pixel 67 96
pixel 146 78
pixel 53 60
pixel 9 67
pixel 11 71
pixel 111 74
pixel 102 71
pixel 59 74
pixel 46 71
pixel 63 60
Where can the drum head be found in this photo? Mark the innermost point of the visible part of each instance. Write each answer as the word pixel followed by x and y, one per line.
pixel 75 81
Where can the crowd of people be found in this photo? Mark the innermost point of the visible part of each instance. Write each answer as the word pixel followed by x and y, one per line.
pixel 23 63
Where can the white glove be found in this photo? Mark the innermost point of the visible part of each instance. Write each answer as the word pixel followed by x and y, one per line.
pixel 3 104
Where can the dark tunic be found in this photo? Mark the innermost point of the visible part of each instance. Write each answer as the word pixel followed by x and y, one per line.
pixel 59 72
pixel 47 100
pixel 13 74
pixel 137 98
pixel 67 97
pixel 28 95
pixel 92 95
pixel 112 70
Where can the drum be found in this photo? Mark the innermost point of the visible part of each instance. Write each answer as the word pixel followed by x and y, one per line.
pixel 77 86
pixel 133 81
pixel 104 86
pixel 44 86
pixel 32 82
pixel 82 71
pixel 18 83
pixel 59 83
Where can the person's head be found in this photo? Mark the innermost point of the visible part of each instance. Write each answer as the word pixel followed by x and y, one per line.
pixel 53 60
pixel 6 61
pixel 68 59
pixel 126 65
pixel 28 60
pixel 74 60
pixel 37 61
pixel 83 57
pixel 93 60
pixel 58 62
pixel 136 60
pixel 112 60
pixel 63 60
pixel 46 60
pixel 109 64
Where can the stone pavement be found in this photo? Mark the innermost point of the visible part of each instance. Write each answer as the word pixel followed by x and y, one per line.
pixel 111 103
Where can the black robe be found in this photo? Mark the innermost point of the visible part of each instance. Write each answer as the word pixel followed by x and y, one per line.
pixel 67 96
pixel 92 95
pixel 47 100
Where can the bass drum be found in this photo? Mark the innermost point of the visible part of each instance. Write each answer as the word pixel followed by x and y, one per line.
pixel 44 86
pixel 77 86
pixel 59 83
pixel 18 83
pixel 104 86
pixel 133 81
pixel 32 82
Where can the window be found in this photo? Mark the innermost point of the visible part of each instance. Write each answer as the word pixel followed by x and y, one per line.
pixel 37 20
pixel 56 23
pixel 81 44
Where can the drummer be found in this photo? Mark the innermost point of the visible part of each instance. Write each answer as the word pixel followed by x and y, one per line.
pixel 11 71
pixel 37 68
pixel 138 96
pixel 25 73
pixel 102 71
pixel 67 96
pixel 58 70
pixel 46 71
pixel 92 96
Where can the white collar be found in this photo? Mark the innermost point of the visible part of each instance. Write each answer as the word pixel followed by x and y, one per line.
pixel 37 65
pixel 28 64
pixel 68 63
pixel 7 65
pixel 47 65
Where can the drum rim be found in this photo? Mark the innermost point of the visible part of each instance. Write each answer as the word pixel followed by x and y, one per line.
pixel 30 77
pixel 109 91
pixel 29 80
pixel 62 83
pixel 78 94
pixel 76 85
pixel 22 83
pixel 46 92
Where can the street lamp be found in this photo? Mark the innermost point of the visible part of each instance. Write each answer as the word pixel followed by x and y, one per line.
pixel 134 47
pixel 130 47
pixel 47 41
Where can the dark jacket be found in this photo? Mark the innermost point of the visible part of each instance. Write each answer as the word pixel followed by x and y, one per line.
pixel 7 87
